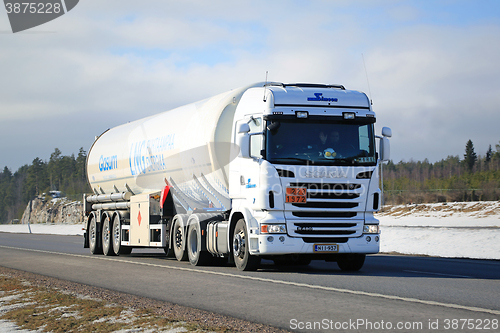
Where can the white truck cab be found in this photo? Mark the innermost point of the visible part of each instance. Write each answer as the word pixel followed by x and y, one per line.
pixel 306 181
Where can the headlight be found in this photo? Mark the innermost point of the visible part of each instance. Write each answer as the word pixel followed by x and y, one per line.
pixel 371 229
pixel 273 228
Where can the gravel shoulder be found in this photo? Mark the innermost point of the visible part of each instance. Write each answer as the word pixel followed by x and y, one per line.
pixel 156 312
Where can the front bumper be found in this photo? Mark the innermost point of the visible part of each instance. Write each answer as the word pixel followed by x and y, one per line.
pixel 286 243
pixel 278 244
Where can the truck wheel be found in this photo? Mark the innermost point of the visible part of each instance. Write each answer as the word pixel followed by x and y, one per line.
pixel 196 254
pixel 351 262
pixel 118 248
pixel 169 252
pixel 179 239
pixel 243 260
pixel 107 239
pixel 94 245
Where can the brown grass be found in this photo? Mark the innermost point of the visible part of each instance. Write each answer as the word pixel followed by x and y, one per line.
pixel 32 307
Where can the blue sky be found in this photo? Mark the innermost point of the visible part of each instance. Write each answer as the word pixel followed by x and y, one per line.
pixel 432 66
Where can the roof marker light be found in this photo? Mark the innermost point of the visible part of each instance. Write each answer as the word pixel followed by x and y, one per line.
pixel 349 115
pixel 301 114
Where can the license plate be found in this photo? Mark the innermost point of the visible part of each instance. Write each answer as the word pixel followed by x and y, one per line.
pixel 326 248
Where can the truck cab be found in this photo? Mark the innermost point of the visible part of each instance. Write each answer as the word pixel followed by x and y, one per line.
pixel 306 182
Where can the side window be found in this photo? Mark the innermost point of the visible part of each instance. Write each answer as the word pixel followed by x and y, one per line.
pixel 364 139
pixel 255 140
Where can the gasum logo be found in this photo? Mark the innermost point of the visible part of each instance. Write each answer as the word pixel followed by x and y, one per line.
pixel 319 98
pixel 108 163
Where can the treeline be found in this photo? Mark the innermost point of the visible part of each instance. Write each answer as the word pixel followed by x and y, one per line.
pixel 452 179
pixel 61 173
pixel 471 178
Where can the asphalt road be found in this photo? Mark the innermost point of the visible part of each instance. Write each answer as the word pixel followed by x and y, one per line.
pixel 390 293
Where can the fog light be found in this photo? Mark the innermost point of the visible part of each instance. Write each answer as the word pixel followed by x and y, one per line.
pixel 368 239
pixel 376 238
pixel 270 238
pixel 282 238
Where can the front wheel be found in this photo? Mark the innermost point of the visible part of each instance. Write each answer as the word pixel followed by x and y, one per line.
pixel 243 260
pixel 351 262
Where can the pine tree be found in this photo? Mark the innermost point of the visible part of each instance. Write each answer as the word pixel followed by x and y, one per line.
pixel 489 155
pixel 470 157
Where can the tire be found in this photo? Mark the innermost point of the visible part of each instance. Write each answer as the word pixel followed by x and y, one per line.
pixel 351 262
pixel 118 248
pixel 243 260
pixel 94 241
pixel 107 239
pixel 197 255
pixel 169 252
pixel 179 240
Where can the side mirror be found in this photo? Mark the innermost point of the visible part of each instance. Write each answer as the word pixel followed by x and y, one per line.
pixel 387 132
pixel 385 149
pixel 243 140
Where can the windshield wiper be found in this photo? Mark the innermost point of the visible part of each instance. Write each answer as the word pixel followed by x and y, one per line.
pixel 298 159
pixel 344 160
pixel 293 158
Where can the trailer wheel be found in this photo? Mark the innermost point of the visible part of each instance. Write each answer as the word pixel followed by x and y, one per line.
pixel 351 262
pixel 169 252
pixel 118 248
pixel 196 254
pixel 243 260
pixel 107 239
pixel 94 245
pixel 179 239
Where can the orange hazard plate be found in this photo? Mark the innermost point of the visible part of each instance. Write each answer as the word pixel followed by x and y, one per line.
pixel 296 194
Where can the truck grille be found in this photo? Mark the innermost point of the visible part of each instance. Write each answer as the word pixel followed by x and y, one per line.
pixel 324 214
pixel 331 211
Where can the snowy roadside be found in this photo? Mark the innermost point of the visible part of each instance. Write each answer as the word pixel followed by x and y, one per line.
pixel 42 228
pixel 458 230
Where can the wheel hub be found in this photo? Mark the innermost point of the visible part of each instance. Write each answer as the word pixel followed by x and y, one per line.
pixel 178 239
pixel 117 233
pixel 239 245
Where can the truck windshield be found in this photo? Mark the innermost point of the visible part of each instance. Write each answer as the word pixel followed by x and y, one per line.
pixel 320 143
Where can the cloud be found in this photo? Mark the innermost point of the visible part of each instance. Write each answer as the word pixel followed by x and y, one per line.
pixel 106 63
pixel 437 86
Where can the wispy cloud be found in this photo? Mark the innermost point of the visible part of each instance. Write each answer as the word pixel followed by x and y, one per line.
pixel 433 67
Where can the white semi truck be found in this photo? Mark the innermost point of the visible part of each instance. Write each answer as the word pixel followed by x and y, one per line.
pixel 286 172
